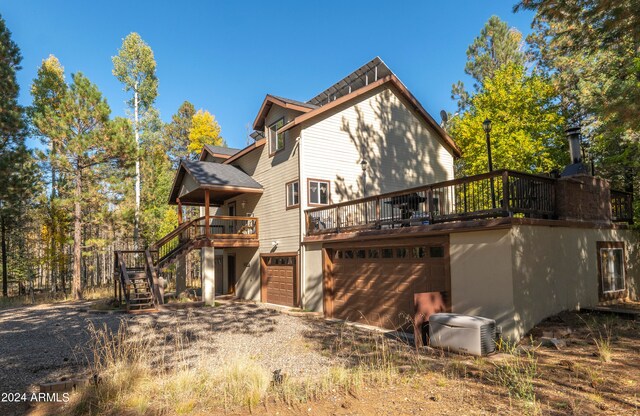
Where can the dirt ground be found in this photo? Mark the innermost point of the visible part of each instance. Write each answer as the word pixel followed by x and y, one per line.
pixel 570 379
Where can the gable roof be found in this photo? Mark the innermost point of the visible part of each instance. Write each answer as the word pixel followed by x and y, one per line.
pixel 213 176
pixel 390 79
pixel 270 100
pixel 218 151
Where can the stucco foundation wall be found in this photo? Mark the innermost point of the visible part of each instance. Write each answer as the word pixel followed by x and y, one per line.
pixel 481 276
pixel 312 286
pixel 248 274
pixel 556 269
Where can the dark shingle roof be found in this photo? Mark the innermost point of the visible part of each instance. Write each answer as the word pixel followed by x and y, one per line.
pixel 217 174
pixel 230 151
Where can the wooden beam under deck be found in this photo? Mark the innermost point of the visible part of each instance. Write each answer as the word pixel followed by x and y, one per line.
pixel 226 243
pixel 447 228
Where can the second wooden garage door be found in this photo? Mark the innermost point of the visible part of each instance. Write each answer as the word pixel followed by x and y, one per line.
pixel 279 280
pixel 375 285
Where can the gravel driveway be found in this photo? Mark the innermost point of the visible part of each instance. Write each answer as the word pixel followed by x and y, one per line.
pixel 46 343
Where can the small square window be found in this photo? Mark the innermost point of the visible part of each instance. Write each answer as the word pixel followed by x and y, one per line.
pixel 387 253
pixel 318 192
pixel 374 253
pixel 276 140
pixel 361 254
pixel 348 254
pixel 436 251
pixel 293 194
pixel 402 253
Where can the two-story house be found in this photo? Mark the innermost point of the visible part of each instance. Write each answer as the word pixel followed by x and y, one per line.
pixel 347 204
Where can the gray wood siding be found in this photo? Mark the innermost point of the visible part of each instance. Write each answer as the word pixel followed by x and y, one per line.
pixel 273 172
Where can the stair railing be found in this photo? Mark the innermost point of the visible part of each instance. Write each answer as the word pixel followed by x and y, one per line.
pixel 176 239
pixel 157 291
pixel 121 267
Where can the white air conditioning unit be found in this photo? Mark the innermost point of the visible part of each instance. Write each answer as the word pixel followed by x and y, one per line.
pixel 462 333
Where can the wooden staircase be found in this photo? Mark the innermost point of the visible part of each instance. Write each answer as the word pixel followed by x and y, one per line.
pixel 137 270
pixel 138 280
pixel 141 297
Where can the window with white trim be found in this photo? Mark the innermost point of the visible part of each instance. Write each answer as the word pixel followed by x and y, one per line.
pixel 293 194
pixel 318 192
pixel 276 140
pixel 612 269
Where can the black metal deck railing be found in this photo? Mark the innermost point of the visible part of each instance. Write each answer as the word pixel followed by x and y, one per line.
pixel 489 195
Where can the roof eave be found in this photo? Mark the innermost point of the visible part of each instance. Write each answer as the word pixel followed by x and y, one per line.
pixel 181 168
pixel 269 100
pixel 252 146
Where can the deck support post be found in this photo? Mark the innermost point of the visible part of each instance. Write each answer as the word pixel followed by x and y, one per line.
pixel 179 211
pixel 207 203
pixel 209 276
pixel 181 274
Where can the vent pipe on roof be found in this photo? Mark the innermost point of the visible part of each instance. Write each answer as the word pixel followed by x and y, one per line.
pixel 573 136
pixel 576 167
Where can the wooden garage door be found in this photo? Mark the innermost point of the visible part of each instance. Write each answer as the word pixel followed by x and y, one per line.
pixel 375 284
pixel 279 283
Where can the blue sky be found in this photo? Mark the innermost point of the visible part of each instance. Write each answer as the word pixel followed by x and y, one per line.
pixel 225 56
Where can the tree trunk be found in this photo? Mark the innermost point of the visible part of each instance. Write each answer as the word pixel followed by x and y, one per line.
pixel 5 282
pixel 77 239
pixel 54 261
pixel 136 230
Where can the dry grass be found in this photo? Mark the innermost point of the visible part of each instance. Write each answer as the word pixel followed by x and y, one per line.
pixel 601 333
pixel 518 373
pixel 372 373
pixel 93 293
pixel 137 375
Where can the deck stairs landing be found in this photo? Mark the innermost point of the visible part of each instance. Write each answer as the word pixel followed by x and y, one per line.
pixel 136 271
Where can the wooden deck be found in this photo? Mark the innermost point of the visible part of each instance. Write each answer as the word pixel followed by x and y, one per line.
pixel 502 193
pixel 221 231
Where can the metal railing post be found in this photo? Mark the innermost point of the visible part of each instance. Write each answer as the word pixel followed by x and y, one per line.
pixel 505 193
pixel 430 206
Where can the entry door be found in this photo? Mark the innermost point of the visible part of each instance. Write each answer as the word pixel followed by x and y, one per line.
pixel 231 274
pixel 218 271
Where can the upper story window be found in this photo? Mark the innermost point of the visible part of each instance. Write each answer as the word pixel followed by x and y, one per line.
pixel 276 141
pixel 293 194
pixel 318 192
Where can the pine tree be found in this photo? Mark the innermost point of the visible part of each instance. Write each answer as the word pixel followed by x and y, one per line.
pixel 89 141
pixel 157 178
pixel 591 50
pixel 177 133
pixel 48 90
pixel 496 46
pixel 17 169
